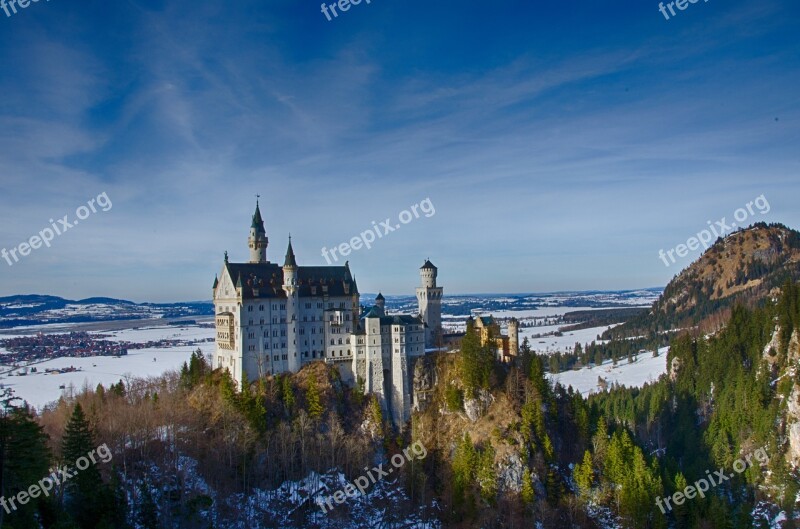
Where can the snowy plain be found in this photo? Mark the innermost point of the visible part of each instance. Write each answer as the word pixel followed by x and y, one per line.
pixel 40 389
pixel 645 369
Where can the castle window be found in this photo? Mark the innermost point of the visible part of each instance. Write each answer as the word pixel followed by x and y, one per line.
pixel 285 357
pixel 261 308
pixel 283 306
pixel 250 308
pixel 276 358
pixel 332 342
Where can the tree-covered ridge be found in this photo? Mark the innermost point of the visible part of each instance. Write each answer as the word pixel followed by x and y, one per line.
pixel 725 397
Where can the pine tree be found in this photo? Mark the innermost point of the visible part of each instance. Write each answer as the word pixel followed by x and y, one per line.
pixel 147 513
pixel 376 414
pixel 315 408
pixel 287 394
pixel 89 501
pixel 527 493
pixel 24 460
pixel 584 474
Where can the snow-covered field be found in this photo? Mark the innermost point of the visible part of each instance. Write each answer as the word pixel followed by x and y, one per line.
pixel 40 389
pixel 565 343
pixel 646 369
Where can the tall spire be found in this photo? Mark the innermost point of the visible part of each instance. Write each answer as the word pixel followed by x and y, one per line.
pixel 258 240
pixel 258 222
pixel 290 260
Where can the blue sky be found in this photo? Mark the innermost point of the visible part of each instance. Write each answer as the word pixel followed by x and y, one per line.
pixel 562 143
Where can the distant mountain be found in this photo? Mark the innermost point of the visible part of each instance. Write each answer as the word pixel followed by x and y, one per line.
pixel 29 310
pixel 747 267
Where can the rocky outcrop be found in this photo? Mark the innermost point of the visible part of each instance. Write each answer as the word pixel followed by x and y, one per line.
pixel 475 408
pixel 423 383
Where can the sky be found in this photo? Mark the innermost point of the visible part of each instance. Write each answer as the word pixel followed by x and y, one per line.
pixel 554 145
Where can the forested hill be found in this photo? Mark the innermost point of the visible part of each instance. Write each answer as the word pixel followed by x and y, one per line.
pixel 747 267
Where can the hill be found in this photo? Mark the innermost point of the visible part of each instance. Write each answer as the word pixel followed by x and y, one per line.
pixel 33 309
pixel 747 267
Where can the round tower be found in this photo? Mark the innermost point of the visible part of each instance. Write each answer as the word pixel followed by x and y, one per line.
pixel 292 307
pixel 428 273
pixel 429 297
pixel 258 241
pixel 513 336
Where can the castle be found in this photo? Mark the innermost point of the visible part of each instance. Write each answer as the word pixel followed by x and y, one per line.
pixel 506 345
pixel 273 319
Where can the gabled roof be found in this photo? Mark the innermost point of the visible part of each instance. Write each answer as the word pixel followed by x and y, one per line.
pixel 396 319
pixel 267 279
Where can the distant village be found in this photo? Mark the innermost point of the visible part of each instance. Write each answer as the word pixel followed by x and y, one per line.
pixel 26 349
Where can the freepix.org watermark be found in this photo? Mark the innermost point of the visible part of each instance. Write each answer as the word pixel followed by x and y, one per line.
pixel 343 5
pixel 701 486
pixel 362 483
pixel 366 238
pixel 46 236
pixel 717 229
pixel 58 477
pixel 680 4
pixel 12 4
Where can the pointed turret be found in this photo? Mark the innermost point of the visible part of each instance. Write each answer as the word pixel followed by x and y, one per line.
pixel 290 260
pixel 258 240
pixel 380 302
pixel 258 222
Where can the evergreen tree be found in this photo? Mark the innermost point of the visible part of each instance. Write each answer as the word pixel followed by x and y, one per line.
pixel 87 498
pixel 527 493
pixel 24 460
pixel 313 401
pixel 147 513
pixel 584 474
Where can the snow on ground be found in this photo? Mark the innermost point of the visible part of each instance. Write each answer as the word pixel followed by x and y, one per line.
pixel 552 344
pixel 147 334
pixel 646 369
pixel 40 389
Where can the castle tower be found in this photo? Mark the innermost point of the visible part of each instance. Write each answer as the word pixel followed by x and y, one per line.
pixel 258 240
pixel 380 302
pixel 429 297
pixel 513 337
pixel 292 307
